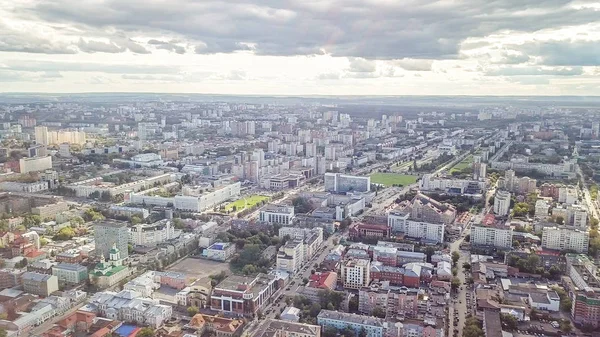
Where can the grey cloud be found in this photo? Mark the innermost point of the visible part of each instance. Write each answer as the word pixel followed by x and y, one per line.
pixel 170 46
pixel 92 46
pixel 35 66
pixel 360 65
pixel 349 28
pixel 535 71
pixel 414 64
pixel 215 47
pixel 130 44
pixel 17 41
pixel 513 59
pixel 564 52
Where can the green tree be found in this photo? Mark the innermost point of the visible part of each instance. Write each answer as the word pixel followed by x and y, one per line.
pixel 192 311
pixel 146 332
pixel 378 312
pixel 466 266
pixel 455 257
pixel 455 283
pixel 509 321
pixel 65 233
pixel 249 269
pixel 560 220
pixel 77 220
pixel 3 332
pixel 136 220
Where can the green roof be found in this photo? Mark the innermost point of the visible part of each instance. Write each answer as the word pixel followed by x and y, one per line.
pixel 111 272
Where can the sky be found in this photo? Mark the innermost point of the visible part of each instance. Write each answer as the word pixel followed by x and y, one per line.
pixel 301 47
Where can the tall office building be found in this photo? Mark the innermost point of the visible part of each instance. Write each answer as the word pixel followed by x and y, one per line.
pixel 107 233
pixel 502 203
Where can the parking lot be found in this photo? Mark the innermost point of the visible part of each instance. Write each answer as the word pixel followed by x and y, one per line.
pixel 199 269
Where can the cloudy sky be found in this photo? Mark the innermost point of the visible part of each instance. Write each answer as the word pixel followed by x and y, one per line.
pixel 301 47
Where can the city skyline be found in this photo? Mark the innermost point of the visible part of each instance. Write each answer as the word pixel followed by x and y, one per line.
pixel 374 47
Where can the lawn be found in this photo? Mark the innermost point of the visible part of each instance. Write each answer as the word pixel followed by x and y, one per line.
pixel 389 179
pixel 246 202
pixel 463 164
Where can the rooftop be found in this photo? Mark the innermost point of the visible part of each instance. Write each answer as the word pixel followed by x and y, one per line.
pixel 272 326
pixel 351 318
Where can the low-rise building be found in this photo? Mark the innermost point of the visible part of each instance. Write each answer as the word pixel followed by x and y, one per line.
pixel 219 251
pixel 243 295
pixel 374 327
pixel 280 328
pixel 280 214
pixel 39 284
pixel 70 274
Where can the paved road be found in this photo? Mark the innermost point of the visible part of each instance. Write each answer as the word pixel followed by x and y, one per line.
pixel 459 301
pixel 274 308
pixel 586 194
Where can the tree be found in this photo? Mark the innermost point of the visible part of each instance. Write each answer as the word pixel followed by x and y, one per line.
pixel 560 220
pixel 329 331
pixel 353 304
pixel 136 220
pixel 302 205
pixel 565 326
pixel 455 257
pixel 378 312
pixel 192 311
pixel 146 332
pixel 509 321
pixel 466 266
pixel 65 233
pixel 3 333
pixel 249 269
pixel 77 220
pixel 455 283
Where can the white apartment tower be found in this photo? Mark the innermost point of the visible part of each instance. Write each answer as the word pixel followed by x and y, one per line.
pixel 502 203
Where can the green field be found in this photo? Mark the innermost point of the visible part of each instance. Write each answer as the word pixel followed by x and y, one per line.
pixel 246 202
pixel 463 164
pixel 389 179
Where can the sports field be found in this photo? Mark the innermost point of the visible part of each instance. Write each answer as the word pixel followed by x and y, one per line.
pixel 246 202
pixel 463 164
pixel 389 179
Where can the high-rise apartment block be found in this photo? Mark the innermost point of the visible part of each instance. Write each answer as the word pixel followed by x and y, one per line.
pixel 109 233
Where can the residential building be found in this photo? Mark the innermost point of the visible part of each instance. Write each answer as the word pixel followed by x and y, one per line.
pixel 495 234
pixel 243 295
pixel 290 256
pixel 356 273
pixel 219 251
pixel 374 327
pixel 39 284
pixel 70 274
pixel 502 203
pixel 215 325
pixel 583 286
pixel 342 183
pixel 108 233
pixel 400 222
pixel 129 306
pixel 426 209
pixel 35 164
pixel 565 238
pixel 150 235
pixel 280 214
